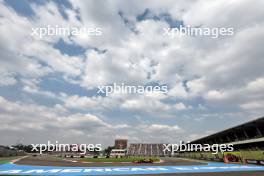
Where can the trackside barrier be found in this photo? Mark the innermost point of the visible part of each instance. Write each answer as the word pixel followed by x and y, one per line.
pixel 250 157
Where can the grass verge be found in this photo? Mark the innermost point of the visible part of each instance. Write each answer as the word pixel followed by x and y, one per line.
pixel 4 160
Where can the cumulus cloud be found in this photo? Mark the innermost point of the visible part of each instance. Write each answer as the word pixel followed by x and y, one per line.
pixel 53 124
pixel 207 78
pixel 7 79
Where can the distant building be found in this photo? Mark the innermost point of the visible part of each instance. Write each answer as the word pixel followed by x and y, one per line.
pixel 120 144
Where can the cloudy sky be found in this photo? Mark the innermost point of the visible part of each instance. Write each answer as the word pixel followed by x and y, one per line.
pixel 48 85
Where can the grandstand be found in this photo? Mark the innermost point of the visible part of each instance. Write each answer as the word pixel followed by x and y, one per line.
pixel 246 133
pixel 247 139
pixel 141 149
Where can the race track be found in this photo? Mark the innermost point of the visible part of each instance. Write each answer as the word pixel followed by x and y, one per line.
pixel 170 166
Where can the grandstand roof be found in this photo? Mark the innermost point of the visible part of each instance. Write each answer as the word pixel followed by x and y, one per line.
pixel 253 123
pixel 248 141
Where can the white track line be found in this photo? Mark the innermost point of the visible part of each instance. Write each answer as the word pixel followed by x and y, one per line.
pixel 16 160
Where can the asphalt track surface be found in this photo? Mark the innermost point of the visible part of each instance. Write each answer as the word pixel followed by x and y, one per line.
pixel 47 163
pixel 250 173
pixel 52 161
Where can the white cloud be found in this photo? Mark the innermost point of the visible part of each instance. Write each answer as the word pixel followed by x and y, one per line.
pixel 178 91
pixel 158 127
pixel 256 85
pixel 216 95
pixel 196 86
pixel 202 72
pixel 253 105
pixel 34 120
pixel 7 79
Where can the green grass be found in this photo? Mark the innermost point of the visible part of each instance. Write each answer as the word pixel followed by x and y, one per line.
pixel 4 160
pixel 257 155
pixel 130 159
